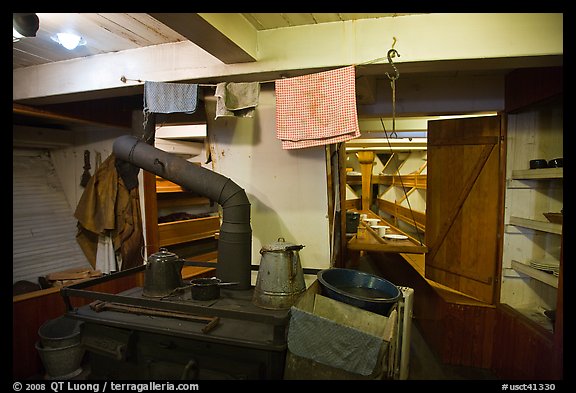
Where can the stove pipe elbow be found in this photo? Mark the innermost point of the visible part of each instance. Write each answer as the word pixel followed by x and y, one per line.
pixel 235 241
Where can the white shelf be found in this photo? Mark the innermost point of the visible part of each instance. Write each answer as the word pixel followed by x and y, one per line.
pixel 182 132
pixel 543 173
pixel 543 226
pixel 546 278
pixel 536 314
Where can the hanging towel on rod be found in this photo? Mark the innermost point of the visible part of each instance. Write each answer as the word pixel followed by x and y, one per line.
pixel 317 109
pixel 163 97
pixel 236 99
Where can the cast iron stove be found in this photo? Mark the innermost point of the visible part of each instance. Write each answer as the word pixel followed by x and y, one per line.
pixel 129 336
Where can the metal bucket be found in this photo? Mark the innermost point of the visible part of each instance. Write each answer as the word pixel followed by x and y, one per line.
pixel 61 362
pixel 280 280
pixel 59 332
pixel 60 347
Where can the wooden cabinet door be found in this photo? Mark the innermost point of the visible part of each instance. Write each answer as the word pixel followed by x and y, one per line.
pixel 464 204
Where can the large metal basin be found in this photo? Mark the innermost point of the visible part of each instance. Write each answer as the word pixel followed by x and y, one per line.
pixel 360 289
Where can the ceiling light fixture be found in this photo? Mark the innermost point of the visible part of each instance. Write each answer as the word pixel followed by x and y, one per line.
pixel 69 41
pixel 24 25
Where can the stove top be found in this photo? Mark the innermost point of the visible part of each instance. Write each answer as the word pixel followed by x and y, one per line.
pixel 238 320
pixel 131 336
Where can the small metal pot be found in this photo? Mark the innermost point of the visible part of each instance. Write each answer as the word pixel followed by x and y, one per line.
pixel 207 288
pixel 538 164
pixel 556 163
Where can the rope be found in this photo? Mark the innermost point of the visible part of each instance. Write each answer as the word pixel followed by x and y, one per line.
pixel 393 86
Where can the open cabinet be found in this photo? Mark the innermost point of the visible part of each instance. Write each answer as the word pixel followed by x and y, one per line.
pixel 486 230
pixel 529 329
pixel 392 186
pixel 402 191
pixel 532 243
pixel 397 187
pixel 179 216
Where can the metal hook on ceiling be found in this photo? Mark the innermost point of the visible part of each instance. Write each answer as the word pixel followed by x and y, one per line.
pixel 392 53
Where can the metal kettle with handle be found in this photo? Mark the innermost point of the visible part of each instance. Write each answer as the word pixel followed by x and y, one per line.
pixel 280 278
pixel 163 274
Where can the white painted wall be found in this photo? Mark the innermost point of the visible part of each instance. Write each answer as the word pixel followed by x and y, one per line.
pixel 287 189
pixel 69 161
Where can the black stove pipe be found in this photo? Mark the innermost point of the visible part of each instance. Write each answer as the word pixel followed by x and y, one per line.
pixel 235 242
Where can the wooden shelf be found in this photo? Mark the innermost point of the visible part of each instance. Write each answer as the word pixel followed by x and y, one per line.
pixel 415 218
pixel 536 316
pixel 534 129
pixel 537 174
pixel 373 242
pixel 546 278
pixel 184 231
pixel 166 186
pixel 181 200
pixel 536 225
pixel 408 181
pixel 354 180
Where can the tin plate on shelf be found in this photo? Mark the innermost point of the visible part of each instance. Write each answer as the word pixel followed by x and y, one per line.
pixel 393 236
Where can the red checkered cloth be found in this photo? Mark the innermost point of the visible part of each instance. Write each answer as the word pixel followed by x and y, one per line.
pixel 317 109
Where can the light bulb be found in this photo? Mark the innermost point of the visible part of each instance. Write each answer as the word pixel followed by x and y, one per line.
pixel 69 41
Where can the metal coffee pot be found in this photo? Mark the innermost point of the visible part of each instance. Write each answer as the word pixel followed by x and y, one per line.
pixel 280 278
pixel 163 274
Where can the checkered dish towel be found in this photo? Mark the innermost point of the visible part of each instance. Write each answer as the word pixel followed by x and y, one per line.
pixel 317 109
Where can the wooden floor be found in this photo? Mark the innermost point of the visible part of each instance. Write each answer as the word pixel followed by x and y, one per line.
pixel 424 365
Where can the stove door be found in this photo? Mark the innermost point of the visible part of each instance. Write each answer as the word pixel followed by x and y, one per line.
pixel 166 357
pixel 171 357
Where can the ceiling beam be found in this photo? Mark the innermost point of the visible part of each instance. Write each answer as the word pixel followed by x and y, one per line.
pixel 484 42
pixel 213 33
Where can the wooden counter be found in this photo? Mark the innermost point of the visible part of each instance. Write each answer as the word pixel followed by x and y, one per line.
pixel 375 243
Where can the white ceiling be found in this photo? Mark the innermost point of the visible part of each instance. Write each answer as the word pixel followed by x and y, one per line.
pixel 113 32
pixel 120 32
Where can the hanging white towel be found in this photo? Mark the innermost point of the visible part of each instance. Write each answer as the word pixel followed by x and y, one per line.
pixel 105 255
pixel 163 97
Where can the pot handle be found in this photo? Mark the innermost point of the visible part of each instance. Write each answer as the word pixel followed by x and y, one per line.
pixel 294 248
pixel 294 260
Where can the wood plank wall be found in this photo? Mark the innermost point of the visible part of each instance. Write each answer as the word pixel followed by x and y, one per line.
pixel 468 335
pixel 459 334
pixel 30 312
pixel 522 350
pixel 491 337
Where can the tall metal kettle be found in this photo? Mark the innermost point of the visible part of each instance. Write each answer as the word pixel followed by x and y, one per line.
pixel 163 274
pixel 280 278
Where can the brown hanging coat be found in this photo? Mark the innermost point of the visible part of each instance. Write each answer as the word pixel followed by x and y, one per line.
pixel 107 207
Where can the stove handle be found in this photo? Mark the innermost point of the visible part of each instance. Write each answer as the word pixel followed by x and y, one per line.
pixel 192 365
pixel 190 368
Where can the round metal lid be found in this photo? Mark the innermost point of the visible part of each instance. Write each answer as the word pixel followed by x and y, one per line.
pixel 280 245
pixel 163 255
